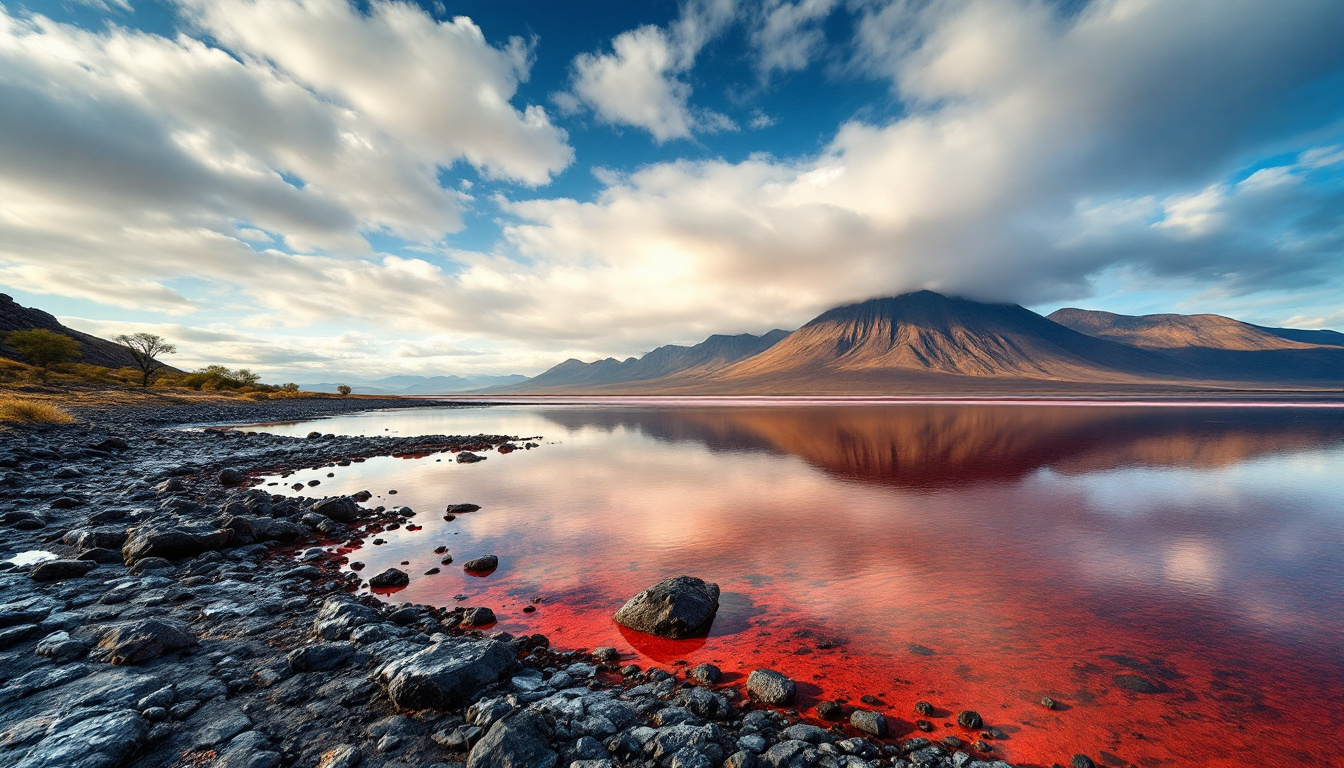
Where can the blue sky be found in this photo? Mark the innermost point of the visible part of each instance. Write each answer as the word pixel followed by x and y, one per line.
pixel 317 189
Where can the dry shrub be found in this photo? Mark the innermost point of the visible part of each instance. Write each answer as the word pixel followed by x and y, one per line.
pixel 14 409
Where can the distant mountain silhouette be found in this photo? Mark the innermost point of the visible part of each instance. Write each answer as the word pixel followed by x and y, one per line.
pixel 927 342
pixel 418 385
pixel 1218 347
pixel 93 350
pixel 703 359
pixel 1170 331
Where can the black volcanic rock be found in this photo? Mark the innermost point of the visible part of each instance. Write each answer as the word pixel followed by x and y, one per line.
pixel 677 608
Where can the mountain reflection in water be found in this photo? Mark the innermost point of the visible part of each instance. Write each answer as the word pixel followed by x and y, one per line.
pixel 974 556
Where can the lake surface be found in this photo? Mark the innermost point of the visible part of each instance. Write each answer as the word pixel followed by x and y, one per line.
pixel 975 556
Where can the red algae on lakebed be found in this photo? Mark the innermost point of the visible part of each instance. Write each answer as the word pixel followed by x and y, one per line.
pixel 977 557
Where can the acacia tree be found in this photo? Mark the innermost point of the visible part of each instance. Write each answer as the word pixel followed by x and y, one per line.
pixel 42 347
pixel 344 389
pixel 146 348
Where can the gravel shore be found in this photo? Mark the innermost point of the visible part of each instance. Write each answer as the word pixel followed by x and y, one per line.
pixel 192 620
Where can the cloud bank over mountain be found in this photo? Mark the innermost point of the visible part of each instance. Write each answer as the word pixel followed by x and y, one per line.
pixel 300 164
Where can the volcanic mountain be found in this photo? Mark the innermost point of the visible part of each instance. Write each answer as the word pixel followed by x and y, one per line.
pixel 93 350
pixel 927 342
pixel 703 359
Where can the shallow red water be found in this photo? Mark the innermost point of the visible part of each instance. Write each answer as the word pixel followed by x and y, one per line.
pixel 975 556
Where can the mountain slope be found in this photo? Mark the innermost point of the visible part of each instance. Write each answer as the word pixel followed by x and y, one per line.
pixel 1171 331
pixel 93 350
pixel 1218 347
pixel 702 359
pixel 927 333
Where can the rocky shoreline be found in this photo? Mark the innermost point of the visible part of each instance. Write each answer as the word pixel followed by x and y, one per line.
pixel 191 620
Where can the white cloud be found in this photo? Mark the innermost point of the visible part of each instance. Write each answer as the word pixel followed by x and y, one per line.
pixel 639 82
pixel 787 36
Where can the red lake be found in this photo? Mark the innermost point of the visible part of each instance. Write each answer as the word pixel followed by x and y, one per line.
pixel 1172 576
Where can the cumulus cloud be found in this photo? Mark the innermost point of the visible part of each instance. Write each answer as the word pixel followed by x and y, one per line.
pixel 1024 133
pixel 1033 152
pixel 154 157
pixel 640 81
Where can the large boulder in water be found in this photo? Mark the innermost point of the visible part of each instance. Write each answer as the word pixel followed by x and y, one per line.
pixel 676 608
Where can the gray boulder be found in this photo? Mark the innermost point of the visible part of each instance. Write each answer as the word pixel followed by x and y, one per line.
pixel 675 608
pixel 57 570
pixel 871 723
pixel 445 674
pixel 339 508
pixel 517 742
pixel 392 578
pixel 319 657
pixel 771 687
pixel 171 543
pixel 339 616
pixel 138 641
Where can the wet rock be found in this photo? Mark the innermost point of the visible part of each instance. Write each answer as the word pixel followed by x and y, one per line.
pixel 705 674
pixel 171 543
pixel 771 687
pixel 467 457
pixel 1081 761
pixel 142 640
pixel 58 570
pixel 60 647
pixel 478 617
pixel 486 564
pixel 392 578
pixel 806 732
pixel 102 741
pixel 829 710
pixel 231 477
pixel 923 708
pixel 869 722
pixel 101 556
pixel 520 741
pixel 460 738
pixel 319 656
pixel 342 509
pixel 223 723
pixel 460 508
pixel 675 608
pixel 104 537
pixel 1047 702
pixel 150 564
pixel 968 718
pixel 445 674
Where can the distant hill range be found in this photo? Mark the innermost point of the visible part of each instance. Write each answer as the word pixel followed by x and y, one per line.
pixel 703 360
pixel 93 350
pixel 924 342
pixel 418 385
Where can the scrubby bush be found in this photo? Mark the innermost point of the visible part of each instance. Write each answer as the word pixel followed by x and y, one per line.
pixel 42 347
pixel 19 410
pixel 344 390
pixel 217 377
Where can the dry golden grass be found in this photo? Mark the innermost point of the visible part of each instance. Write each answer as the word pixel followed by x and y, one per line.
pixel 25 411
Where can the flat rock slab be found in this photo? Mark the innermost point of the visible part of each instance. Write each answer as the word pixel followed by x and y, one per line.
pixel 445 674
pixel 105 741
pixel 675 608
pixel 142 640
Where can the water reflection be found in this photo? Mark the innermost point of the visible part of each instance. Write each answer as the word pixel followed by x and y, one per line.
pixel 971 556
pixel 930 446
